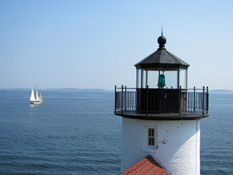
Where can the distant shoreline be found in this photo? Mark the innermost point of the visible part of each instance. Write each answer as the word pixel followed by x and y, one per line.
pixel 59 89
pixel 221 91
pixel 101 90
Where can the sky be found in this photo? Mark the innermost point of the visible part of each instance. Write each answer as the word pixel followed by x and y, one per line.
pixel 96 43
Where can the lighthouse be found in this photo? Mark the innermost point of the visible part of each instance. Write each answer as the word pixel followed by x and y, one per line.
pixel 161 116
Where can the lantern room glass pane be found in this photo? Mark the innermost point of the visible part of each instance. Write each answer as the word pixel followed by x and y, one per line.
pixel 183 78
pixel 144 78
pixel 139 75
pixel 153 79
pixel 170 78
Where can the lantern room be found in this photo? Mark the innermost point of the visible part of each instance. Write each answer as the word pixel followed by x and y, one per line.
pixel 162 69
pixel 161 90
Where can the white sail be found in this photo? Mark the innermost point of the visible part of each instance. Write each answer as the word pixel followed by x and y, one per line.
pixel 32 98
pixel 36 97
pixel 40 96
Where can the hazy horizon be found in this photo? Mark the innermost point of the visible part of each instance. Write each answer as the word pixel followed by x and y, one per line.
pixel 96 89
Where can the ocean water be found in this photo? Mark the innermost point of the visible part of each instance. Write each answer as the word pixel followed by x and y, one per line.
pixel 71 132
pixel 76 132
pixel 217 136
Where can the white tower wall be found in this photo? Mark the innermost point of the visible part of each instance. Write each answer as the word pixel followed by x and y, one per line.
pixel 177 144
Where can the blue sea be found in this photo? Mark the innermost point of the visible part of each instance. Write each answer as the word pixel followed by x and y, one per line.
pixel 75 132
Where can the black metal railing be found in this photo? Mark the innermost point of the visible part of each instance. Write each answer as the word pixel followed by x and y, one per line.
pixel 146 100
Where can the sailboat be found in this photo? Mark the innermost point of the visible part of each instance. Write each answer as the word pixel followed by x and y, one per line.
pixel 36 97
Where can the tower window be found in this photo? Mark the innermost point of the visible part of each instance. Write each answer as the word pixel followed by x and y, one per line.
pixel 151 136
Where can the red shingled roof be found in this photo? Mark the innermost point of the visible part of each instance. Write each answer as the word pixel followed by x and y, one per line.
pixel 146 166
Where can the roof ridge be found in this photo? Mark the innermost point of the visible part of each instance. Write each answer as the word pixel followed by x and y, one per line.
pixel 145 58
pixel 177 58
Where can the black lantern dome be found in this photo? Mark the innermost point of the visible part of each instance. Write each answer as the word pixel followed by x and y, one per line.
pixel 161 58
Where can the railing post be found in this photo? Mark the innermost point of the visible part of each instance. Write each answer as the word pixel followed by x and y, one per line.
pixel 179 101
pixel 122 96
pixel 194 99
pixel 125 97
pixel 115 99
pixel 207 99
pixel 203 101
pixel 147 98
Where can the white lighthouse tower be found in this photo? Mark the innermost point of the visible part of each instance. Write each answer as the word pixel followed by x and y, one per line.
pixel 161 116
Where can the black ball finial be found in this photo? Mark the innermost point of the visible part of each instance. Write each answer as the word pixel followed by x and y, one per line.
pixel 162 41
